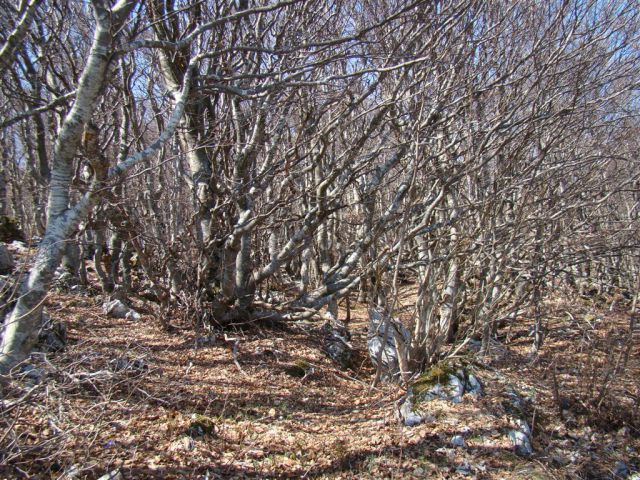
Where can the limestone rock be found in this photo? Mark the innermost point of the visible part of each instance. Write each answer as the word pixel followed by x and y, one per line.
pixel 184 443
pixel 520 436
pixel 6 260
pixel 132 315
pixel 136 365
pixel 442 381
pixel 113 475
pixel 388 353
pixel 520 441
pixel 457 441
pixel 409 414
pixel 117 309
pixel 464 469
pixel 473 385
pixel 336 344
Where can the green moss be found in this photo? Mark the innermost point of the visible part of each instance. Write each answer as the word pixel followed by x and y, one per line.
pixel 438 373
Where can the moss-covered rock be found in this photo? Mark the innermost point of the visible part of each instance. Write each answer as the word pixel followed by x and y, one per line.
pixel 437 374
pixel 200 426
pixel 447 380
pixel 299 368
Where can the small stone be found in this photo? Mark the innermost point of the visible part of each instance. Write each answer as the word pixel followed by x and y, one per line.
pixel 449 452
pixel 409 416
pixel 473 386
pixel 139 365
pixel 132 315
pixel 120 364
pixel 464 469
pixel 184 443
pixel 113 475
pixel 621 469
pixel 72 472
pixel 418 471
pixel 521 442
pixel 32 373
pixel 205 341
pixel 560 460
pixel 116 309
pixel 149 294
pixel 457 441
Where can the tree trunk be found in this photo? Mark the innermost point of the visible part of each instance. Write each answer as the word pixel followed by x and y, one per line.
pixel 19 332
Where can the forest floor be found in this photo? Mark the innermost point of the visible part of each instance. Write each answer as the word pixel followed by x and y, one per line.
pixel 126 396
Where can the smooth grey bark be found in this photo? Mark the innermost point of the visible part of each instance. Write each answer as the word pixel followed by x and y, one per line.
pixel 173 67
pixel 305 266
pixel 322 233
pixel 19 331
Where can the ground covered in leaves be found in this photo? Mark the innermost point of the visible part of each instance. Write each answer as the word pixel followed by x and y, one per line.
pixel 128 397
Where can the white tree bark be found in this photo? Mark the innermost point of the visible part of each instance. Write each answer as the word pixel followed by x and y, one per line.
pixel 19 331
